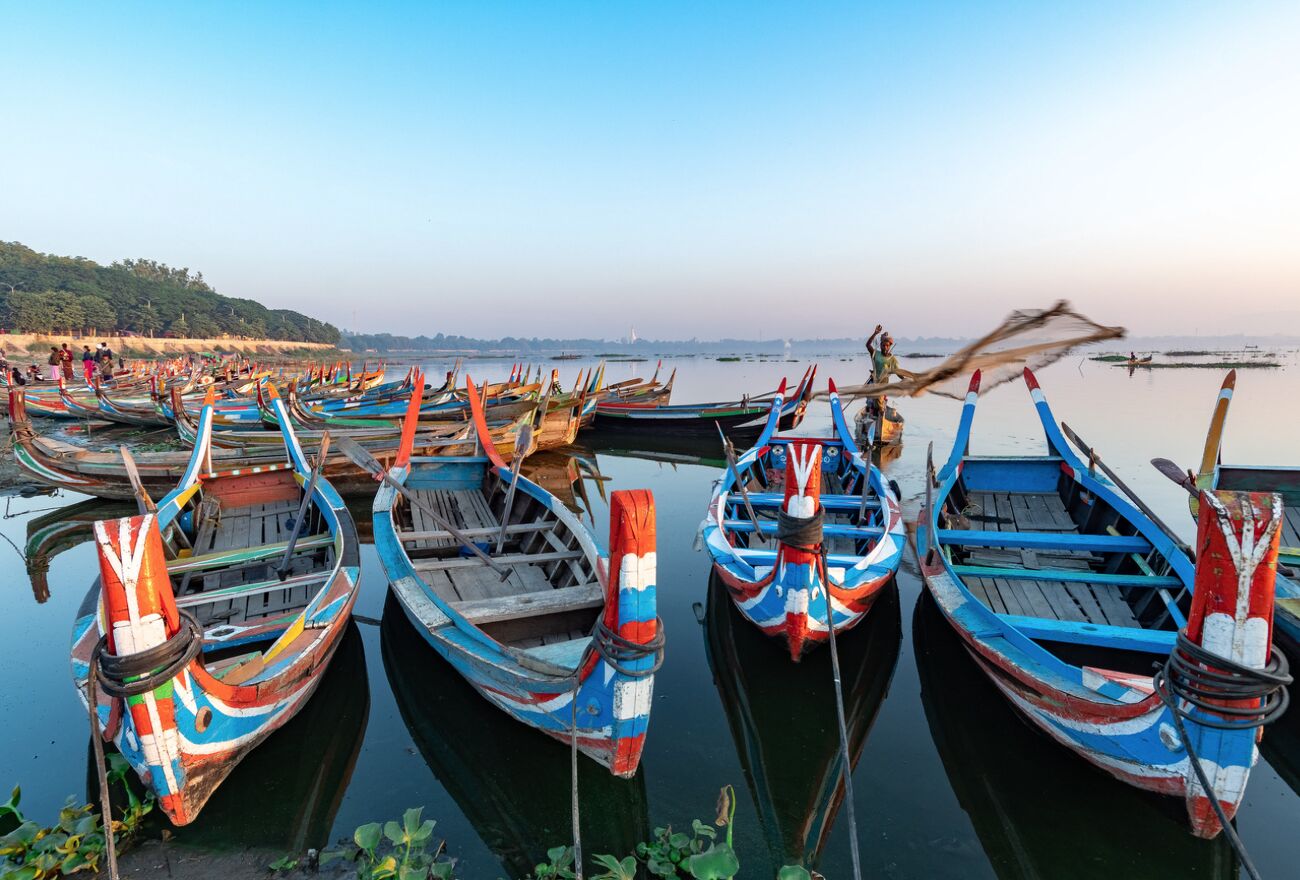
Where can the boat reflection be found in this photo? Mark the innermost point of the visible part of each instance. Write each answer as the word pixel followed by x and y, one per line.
pixel 1031 802
pixel 510 782
pixel 660 446
pixel 285 794
pixel 60 530
pixel 782 717
pixel 565 472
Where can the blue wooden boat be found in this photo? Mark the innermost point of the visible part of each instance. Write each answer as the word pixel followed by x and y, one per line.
pixel 567 641
pixel 1065 592
pixel 237 590
pixel 775 576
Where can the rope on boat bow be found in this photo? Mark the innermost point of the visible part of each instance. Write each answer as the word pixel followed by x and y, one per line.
pixel 1193 677
pixel 800 531
pixel 134 674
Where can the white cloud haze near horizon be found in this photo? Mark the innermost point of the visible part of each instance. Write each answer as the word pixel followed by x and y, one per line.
pixel 743 171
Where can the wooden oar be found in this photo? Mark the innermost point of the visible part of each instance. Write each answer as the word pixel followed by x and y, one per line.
pixel 367 462
pixel 730 452
pixel 1186 479
pixel 522 441
pixel 282 570
pixel 1132 496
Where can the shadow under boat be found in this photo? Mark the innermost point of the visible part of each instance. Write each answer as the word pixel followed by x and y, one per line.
pixel 510 782
pixel 783 719
pixel 285 795
pixel 1038 811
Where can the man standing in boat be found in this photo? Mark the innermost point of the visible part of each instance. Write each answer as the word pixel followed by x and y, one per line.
pixel 883 365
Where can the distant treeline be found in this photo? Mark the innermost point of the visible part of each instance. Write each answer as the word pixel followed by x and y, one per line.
pixel 42 293
pixel 384 343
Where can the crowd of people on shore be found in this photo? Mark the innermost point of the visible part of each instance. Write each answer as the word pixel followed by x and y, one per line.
pixel 61 365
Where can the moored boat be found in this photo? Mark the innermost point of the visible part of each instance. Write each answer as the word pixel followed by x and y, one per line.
pixel 741 420
pixel 795 517
pixel 1065 592
pixel 214 617
pixel 546 622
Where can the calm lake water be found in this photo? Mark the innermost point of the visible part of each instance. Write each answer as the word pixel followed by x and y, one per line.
pixel 948 781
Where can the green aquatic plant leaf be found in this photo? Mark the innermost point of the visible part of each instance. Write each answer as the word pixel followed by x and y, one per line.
pixel 702 830
pixel 614 868
pixel 367 837
pixel 793 872
pixel 394 832
pixel 718 862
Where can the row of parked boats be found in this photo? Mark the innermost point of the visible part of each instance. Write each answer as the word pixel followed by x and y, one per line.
pixel 221 604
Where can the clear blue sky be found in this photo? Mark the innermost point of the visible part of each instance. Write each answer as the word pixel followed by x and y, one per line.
pixel 573 169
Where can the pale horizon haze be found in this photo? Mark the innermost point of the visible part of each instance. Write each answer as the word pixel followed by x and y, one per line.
pixel 738 170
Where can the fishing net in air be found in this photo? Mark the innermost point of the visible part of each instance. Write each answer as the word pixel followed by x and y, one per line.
pixel 1030 338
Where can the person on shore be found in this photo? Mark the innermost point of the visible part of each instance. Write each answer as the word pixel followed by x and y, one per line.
pixel 105 361
pixel 65 361
pixel 55 360
pixel 87 363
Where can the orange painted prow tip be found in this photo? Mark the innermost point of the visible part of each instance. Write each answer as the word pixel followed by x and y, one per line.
pixel 1230 380
pixel 480 423
pixel 210 396
pixel 1030 379
pixel 632 564
pixel 270 390
pixel 410 422
pixel 125 565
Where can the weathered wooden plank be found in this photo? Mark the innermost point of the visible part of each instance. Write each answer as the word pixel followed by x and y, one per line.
pixel 1011 597
pixel 1061 601
pixel 987 593
pixel 1083 597
pixel 506 559
pixel 532 604
pixel 1117 611
pixel 1031 593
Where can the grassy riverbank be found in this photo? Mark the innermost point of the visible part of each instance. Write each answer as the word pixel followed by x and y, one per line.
pixel 20 346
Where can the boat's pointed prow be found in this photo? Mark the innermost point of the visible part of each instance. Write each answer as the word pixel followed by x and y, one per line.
pixel 1030 379
pixel 974 386
pixel 140 612
pixel 798 559
pixel 1231 617
pixel 630 612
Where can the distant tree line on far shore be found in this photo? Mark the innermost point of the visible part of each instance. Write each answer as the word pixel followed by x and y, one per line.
pixel 43 293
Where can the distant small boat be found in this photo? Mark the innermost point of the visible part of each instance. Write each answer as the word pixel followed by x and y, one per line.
pixel 1065 592
pixel 833 522
pixel 1138 362
pixel 565 623
pixel 875 429
pixel 741 420
pixel 237 589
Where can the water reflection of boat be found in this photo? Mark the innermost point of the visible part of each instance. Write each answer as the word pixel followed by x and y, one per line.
pixel 512 785
pixel 1028 799
pixel 782 717
pixel 663 446
pixel 564 473
pixel 285 794
pixel 60 530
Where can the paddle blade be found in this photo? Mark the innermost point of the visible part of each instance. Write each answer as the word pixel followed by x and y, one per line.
pixel 1175 473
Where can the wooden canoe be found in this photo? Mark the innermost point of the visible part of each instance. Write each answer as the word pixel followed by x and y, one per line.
pixel 777 581
pixel 1065 592
pixel 244 645
pixel 539 639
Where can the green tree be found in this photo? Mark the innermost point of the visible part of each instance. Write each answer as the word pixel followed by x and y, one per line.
pixel 30 312
pixel 203 327
pixel 96 314
pixel 180 326
pixel 146 319
pixel 67 315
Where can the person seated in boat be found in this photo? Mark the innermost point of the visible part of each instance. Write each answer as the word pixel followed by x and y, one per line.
pixel 1132 356
pixel 34 373
pixel 16 377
